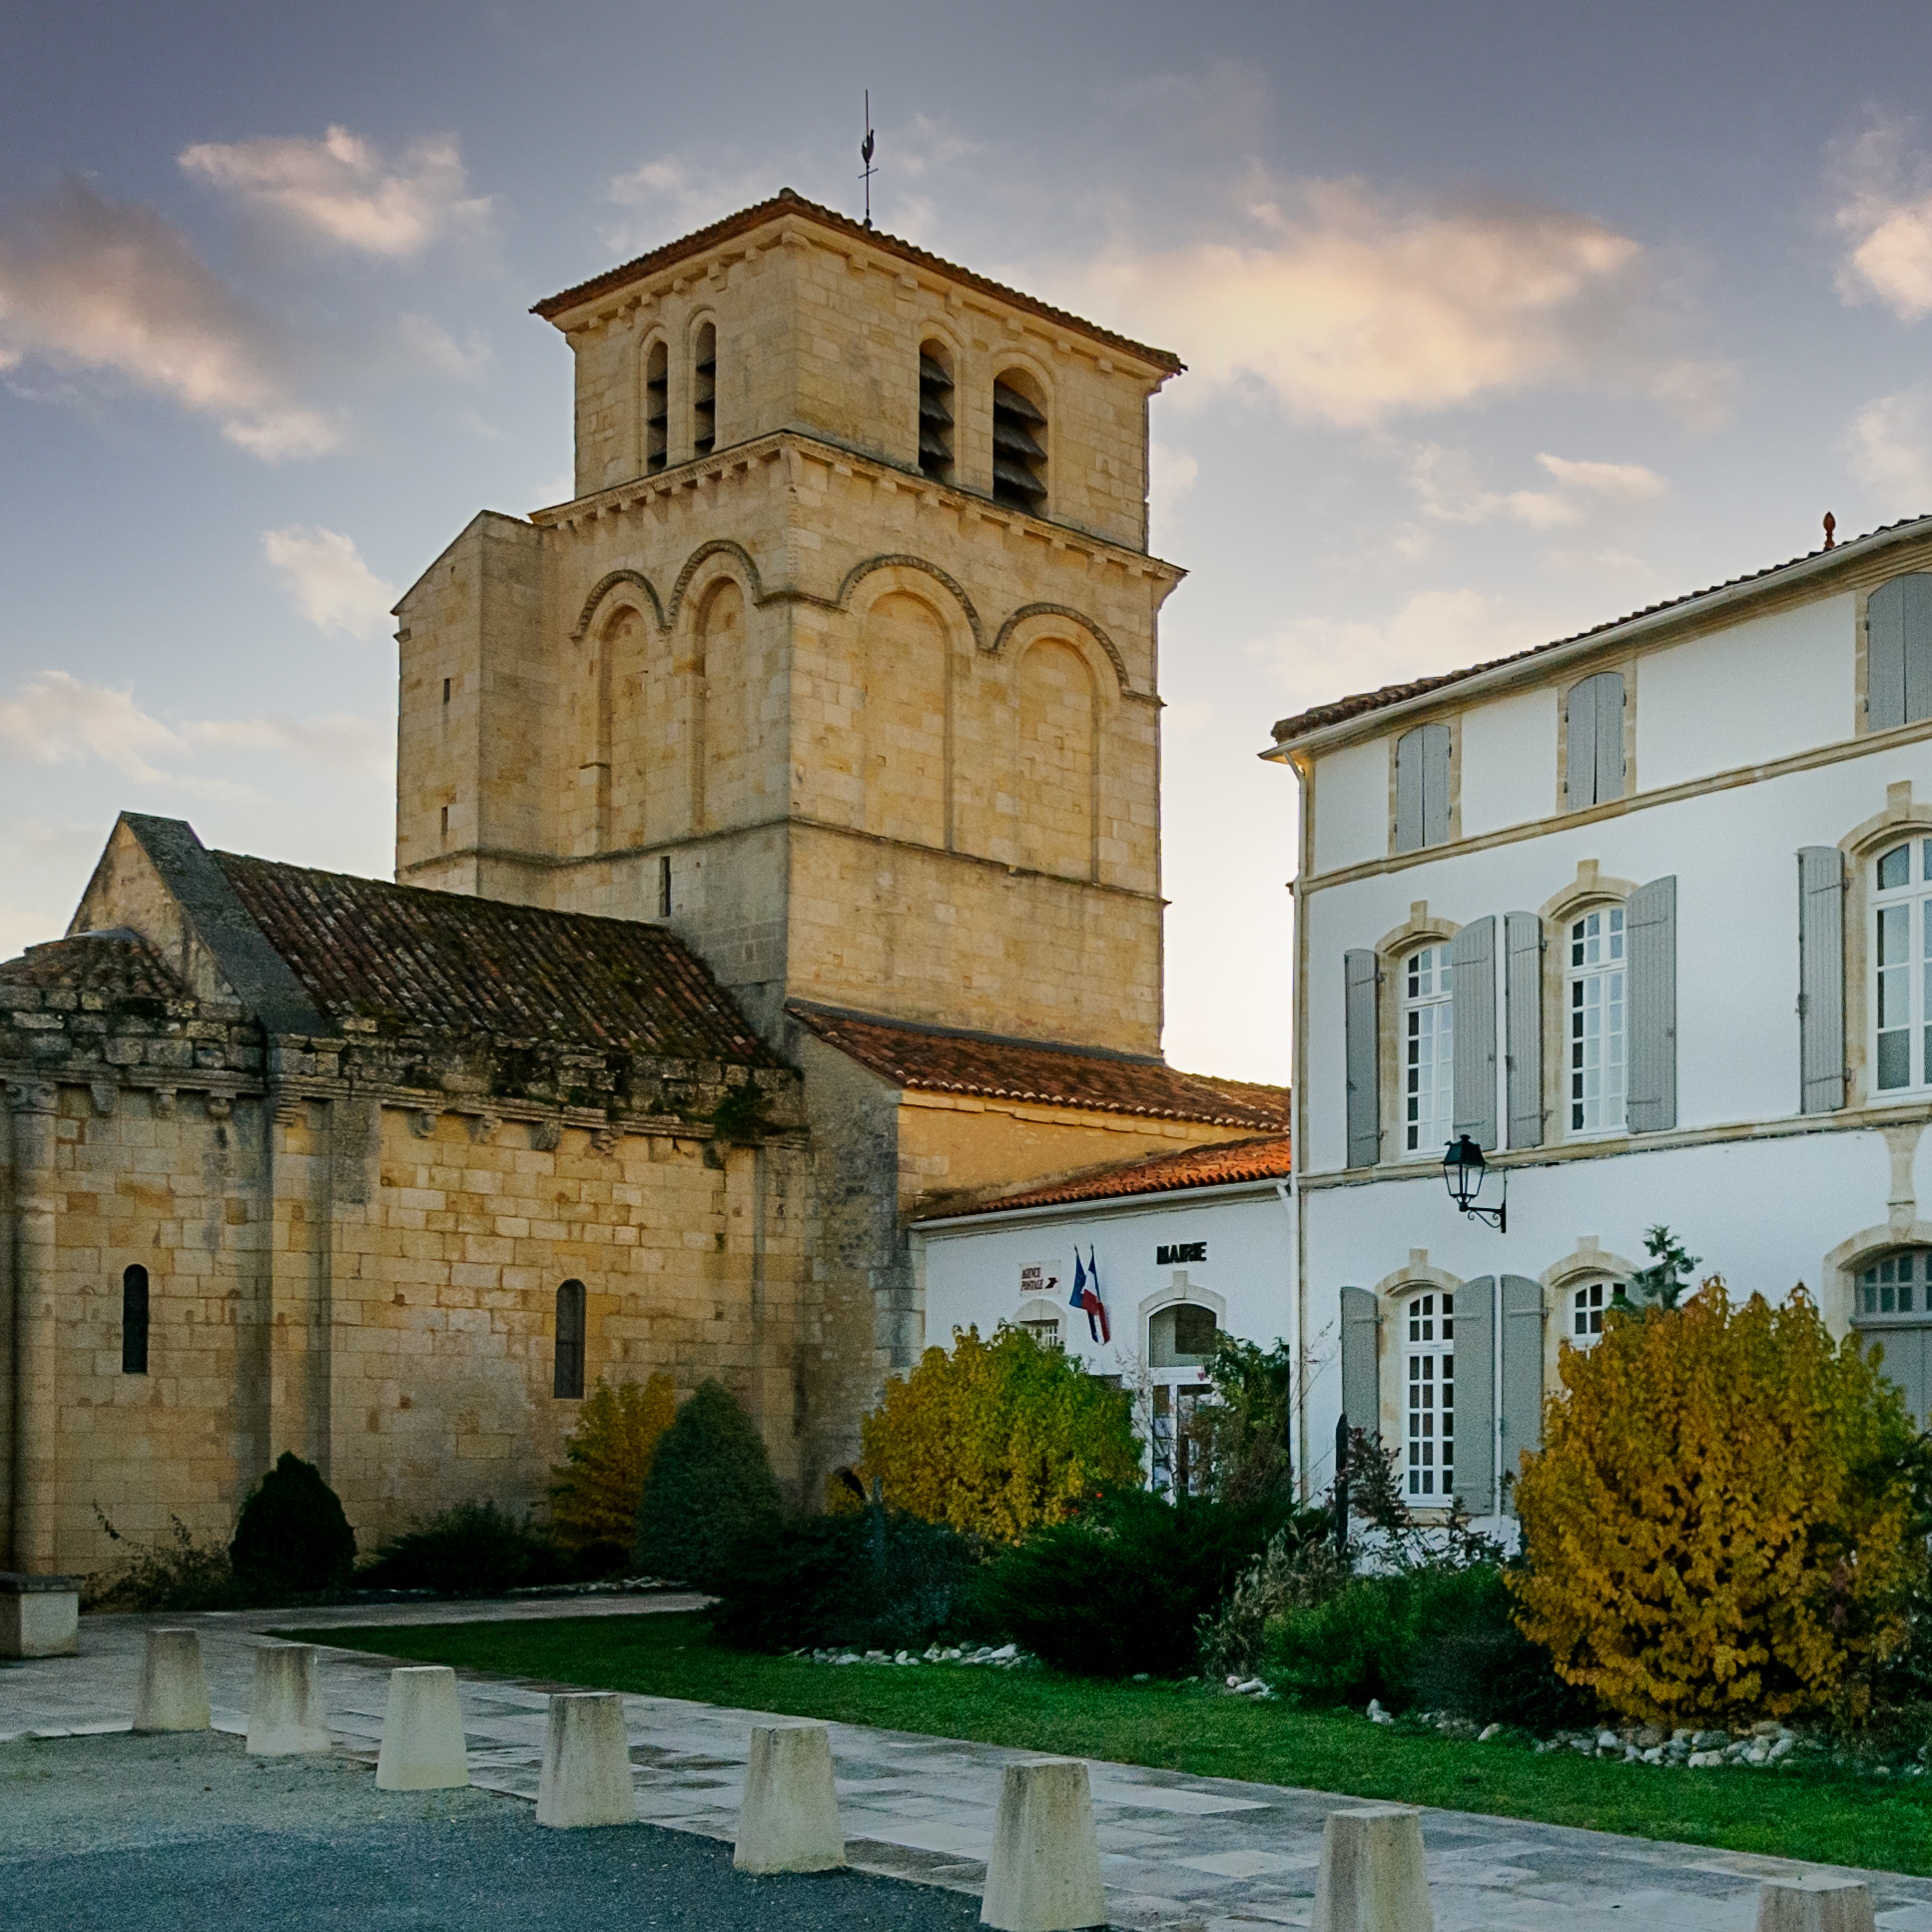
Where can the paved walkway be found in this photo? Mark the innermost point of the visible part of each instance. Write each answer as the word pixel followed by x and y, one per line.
pixel 1178 1851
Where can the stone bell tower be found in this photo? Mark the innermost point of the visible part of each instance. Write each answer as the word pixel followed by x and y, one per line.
pixel 841 661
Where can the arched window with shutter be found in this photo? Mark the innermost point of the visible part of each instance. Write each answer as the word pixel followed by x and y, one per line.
pixel 704 393
pixel 657 407
pixel 935 411
pixel 134 1321
pixel 1018 443
pixel 569 1380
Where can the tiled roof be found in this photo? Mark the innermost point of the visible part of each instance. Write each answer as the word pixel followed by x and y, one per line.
pixel 786 202
pixel 449 963
pixel 1263 1158
pixel 119 964
pixel 944 1059
pixel 1322 715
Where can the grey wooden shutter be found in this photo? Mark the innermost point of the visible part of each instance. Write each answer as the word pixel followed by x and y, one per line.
pixel 1885 656
pixel 1580 781
pixel 1609 735
pixel 1435 785
pixel 1522 1026
pixel 1821 979
pixel 1651 939
pixel 1520 1395
pixel 1474 1409
pixel 1472 996
pixel 1408 790
pixel 1916 595
pixel 1361 1373
pixel 1364 1085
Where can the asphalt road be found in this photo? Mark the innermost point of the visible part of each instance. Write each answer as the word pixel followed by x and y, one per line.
pixel 122 1834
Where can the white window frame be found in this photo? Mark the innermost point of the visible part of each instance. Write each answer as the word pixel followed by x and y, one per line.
pixel 1428 1026
pixel 1586 1303
pixel 1596 978
pixel 1904 908
pixel 1429 1397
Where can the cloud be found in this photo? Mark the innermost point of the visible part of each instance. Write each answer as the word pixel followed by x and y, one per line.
pixel 1447 484
pixel 674 194
pixel 1350 309
pixel 1888 447
pixel 1171 474
pixel 343 190
pixel 89 284
pixel 330 584
pixel 1319 659
pixel 1884 190
pixel 56 718
pixel 436 348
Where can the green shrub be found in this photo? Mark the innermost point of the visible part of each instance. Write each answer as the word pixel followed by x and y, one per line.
pixel 1124 1586
pixel 1241 1436
pixel 178 1574
pixel 473 1550
pixel 1293 1572
pixel 293 1539
pixel 710 1489
pixel 880 1581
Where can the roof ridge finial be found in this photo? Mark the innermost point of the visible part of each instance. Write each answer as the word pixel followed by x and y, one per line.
pixel 1830 528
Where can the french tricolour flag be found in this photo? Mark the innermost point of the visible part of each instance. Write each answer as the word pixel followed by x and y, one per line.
pixel 1086 1295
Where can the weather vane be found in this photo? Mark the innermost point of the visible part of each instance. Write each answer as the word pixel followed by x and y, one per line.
pixel 865 155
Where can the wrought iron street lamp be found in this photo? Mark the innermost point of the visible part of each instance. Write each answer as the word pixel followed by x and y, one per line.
pixel 1463 1172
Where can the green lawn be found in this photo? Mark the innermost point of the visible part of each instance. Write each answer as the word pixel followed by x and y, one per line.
pixel 1833 1819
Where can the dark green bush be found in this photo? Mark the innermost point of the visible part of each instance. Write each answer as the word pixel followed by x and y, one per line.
pixel 473 1550
pixel 1125 1586
pixel 293 1539
pixel 874 1580
pixel 710 1489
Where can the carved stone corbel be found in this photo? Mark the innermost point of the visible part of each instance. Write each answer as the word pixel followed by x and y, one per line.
pixel 423 1123
pixel 546 1136
pixel 105 1093
pixel 479 1127
pixel 31 1096
pixel 220 1107
pixel 163 1102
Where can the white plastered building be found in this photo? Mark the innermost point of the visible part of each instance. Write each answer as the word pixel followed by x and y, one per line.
pixel 1647 914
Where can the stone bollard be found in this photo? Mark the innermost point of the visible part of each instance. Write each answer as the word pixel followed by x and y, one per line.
pixel 1044 1871
pixel 173 1686
pixel 285 1708
pixel 1372 1877
pixel 1817 1902
pixel 423 1731
pixel 586 1778
pixel 789 1821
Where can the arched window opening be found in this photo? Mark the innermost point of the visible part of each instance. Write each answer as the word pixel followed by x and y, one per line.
pixel 1429 1054
pixel 569 1380
pixel 1180 1341
pixel 935 411
pixel 1902 964
pixel 134 1321
pixel 1018 449
pixel 1599 1021
pixel 1892 1306
pixel 1429 1396
pixel 704 394
pixel 657 409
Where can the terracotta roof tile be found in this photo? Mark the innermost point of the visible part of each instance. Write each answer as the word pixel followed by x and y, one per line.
pixel 1266 1157
pixel 786 202
pixel 449 963
pixel 119 963
pixel 944 1059
pixel 1321 715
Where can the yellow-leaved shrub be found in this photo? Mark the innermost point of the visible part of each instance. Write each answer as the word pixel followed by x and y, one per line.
pixel 1720 1525
pixel 606 1459
pixel 996 1437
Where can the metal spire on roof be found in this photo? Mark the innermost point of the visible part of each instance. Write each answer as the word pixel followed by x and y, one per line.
pixel 865 155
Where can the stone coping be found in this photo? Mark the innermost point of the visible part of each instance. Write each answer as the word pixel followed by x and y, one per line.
pixel 17 1582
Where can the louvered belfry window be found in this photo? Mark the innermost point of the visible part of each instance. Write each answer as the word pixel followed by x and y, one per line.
pixel 657 409
pixel 704 394
pixel 1018 449
pixel 935 412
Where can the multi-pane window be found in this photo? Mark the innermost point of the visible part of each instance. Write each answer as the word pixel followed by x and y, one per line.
pixel 1428 1393
pixel 1587 1307
pixel 1892 1310
pixel 1903 967
pixel 1599 1021
pixel 1900 1284
pixel 1428 1052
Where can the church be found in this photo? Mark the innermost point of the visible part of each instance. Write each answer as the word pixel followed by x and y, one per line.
pixel 778 862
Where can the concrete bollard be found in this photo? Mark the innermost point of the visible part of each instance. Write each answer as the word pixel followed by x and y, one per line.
pixel 286 1708
pixel 586 1777
pixel 789 1821
pixel 1372 1877
pixel 1817 1902
pixel 173 1695
pixel 423 1731
pixel 1044 1871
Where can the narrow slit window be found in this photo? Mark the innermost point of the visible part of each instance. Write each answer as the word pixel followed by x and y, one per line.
pixel 657 409
pixel 1018 448
pixel 569 1380
pixel 445 824
pixel 134 1321
pixel 445 690
pixel 663 888
pixel 935 412
pixel 704 394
